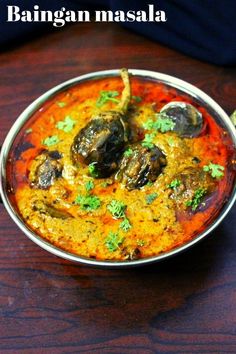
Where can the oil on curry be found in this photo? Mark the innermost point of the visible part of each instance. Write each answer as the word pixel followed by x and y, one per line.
pixel 120 168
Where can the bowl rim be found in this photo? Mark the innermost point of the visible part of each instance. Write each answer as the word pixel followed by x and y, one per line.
pixel 177 83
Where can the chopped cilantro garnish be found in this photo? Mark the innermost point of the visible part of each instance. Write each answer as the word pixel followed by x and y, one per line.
pixel 106 96
pixel 88 202
pixel 150 184
pixel 92 169
pixel 148 124
pixel 113 241
pixel 215 170
pixel 66 125
pixel 117 209
pixel 151 197
pixel 174 184
pixel 125 225
pixel 148 140
pixel 137 98
pixel 128 152
pixel 51 140
pixel 197 198
pixel 162 124
pixel 61 104
pixel 89 186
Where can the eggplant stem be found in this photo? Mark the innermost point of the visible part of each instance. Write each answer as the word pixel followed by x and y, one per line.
pixel 126 93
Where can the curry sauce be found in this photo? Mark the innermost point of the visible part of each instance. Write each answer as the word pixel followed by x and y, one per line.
pixel 101 217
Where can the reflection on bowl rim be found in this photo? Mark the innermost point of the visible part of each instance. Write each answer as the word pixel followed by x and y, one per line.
pixel 34 106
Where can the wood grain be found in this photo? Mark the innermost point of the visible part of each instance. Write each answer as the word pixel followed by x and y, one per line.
pixel 48 305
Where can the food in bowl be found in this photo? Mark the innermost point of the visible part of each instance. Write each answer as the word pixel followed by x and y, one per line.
pixel 120 168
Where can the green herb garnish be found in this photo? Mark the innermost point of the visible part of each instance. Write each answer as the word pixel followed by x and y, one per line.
pixel 106 96
pixel 150 184
pixel 113 241
pixel 148 140
pixel 51 140
pixel 149 124
pixel 117 209
pixel 215 170
pixel 125 225
pixel 61 104
pixel 137 98
pixel 197 198
pixel 174 184
pixel 128 152
pixel 162 124
pixel 89 186
pixel 151 197
pixel 88 202
pixel 66 125
pixel 92 169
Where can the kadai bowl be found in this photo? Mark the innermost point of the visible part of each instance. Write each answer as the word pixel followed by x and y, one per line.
pixel 119 168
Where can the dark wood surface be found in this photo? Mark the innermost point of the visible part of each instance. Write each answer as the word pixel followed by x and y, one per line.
pixel 184 305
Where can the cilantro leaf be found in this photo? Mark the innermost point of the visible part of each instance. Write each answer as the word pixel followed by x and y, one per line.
pixel 66 125
pixel 88 202
pixel 51 140
pixel 89 186
pixel 148 140
pixel 174 184
pixel 117 209
pixel 125 225
pixel 151 197
pixel 137 98
pixel 113 241
pixel 128 152
pixel 197 198
pixel 162 124
pixel 149 124
pixel 150 184
pixel 106 96
pixel 215 170
pixel 93 170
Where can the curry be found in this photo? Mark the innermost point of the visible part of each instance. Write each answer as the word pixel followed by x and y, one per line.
pixel 120 168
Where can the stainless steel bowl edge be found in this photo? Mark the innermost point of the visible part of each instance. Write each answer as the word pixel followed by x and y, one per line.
pixel 34 106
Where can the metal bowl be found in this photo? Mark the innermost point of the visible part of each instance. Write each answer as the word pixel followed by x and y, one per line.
pixel 213 108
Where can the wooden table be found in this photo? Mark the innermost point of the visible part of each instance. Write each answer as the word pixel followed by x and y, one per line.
pixel 184 305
